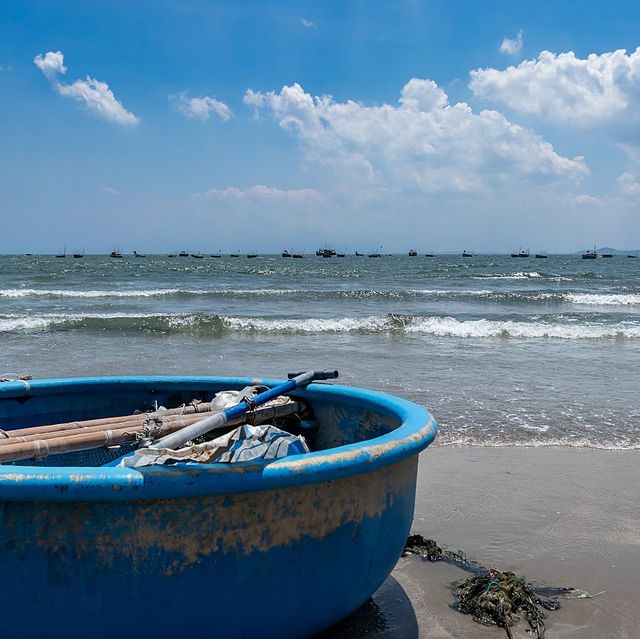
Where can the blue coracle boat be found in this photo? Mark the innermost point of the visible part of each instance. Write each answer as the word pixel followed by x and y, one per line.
pixel 283 548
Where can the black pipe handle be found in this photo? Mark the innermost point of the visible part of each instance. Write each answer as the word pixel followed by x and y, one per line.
pixel 316 374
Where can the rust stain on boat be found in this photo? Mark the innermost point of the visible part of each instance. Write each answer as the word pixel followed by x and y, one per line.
pixel 185 532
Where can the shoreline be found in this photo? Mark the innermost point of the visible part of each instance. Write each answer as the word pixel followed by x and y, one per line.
pixel 560 517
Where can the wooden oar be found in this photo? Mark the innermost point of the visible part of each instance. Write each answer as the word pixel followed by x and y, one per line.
pixel 65 442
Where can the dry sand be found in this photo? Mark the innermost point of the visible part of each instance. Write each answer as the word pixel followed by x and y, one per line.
pixel 559 517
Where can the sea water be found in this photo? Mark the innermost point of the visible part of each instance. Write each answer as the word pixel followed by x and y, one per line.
pixel 503 351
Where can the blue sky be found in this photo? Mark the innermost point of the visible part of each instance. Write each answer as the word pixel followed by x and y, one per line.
pixel 260 126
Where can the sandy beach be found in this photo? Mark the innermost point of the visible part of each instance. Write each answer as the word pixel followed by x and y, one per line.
pixel 560 517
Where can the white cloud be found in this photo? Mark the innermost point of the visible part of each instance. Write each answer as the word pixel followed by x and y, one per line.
pixel 259 192
pixel 512 47
pixel 601 89
pixel 306 23
pixel 585 198
pixel 200 107
pixel 423 144
pixel 99 99
pixel 109 189
pixel 95 95
pixel 628 184
pixel 51 64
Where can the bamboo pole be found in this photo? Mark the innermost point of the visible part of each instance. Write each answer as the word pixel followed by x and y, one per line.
pixel 187 409
pixel 105 424
pixel 39 449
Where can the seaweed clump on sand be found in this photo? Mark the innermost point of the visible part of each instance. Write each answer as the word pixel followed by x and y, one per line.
pixel 429 549
pixel 493 597
pixel 501 598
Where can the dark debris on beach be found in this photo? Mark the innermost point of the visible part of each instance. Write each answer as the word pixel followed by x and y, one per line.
pixel 491 597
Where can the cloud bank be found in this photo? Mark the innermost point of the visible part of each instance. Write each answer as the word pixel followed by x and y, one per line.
pixel 200 108
pixel 96 96
pixel 422 144
pixel 599 90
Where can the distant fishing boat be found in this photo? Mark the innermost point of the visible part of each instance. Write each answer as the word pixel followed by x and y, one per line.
pixel 250 255
pixel 413 253
pixel 633 256
pixel 590 255
pixel 235 255
pixel 64 253
pixel 115 253
pixel 136 254
pixel 172 255
pixel 607 255
pixel 428 254
pixel 297 256
pixel 198 256
pixel 359 254
pixel 216 255
pixel 521 253
pixel 79 255
pixel 541 256
pixel 286 253
pixel 465 254
pixel 183 254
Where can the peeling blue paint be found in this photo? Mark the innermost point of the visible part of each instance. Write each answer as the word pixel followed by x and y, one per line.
pixel 164 550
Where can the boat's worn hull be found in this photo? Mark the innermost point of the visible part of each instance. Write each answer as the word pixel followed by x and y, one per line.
pixel 283 549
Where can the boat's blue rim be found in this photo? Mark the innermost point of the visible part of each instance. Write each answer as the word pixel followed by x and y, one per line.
pixel 416 431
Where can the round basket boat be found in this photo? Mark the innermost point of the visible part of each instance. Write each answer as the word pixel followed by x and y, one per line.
pixel 262 549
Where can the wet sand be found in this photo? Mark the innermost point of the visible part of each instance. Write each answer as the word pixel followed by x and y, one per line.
pixel 561 517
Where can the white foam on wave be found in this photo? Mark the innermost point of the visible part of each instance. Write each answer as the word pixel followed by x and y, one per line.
pixel 451 327
pixel 33 292
pixel 253 291
pixel 435 326
pixel 598 299
pixel 453 291
pixel 520 275
pixel 451 440
pixel 311 325
pixel 24 324
pixel 31 323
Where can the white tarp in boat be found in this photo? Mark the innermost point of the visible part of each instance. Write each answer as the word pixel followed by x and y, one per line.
pixel 245 443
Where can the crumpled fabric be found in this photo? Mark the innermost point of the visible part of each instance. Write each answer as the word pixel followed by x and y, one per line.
pixel 245 443
pixel 228 398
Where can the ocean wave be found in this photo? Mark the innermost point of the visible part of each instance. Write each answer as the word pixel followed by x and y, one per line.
pixel 530 296
pixel 34 292
pixel 609 299
pixel 374 324
pixel 452 439
pixel 160 292
pixel 520 275
pixel 214 325
pixel 484 328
